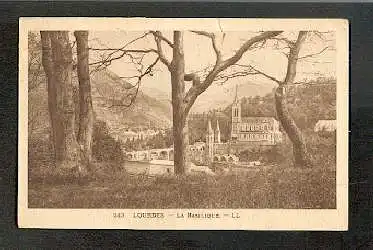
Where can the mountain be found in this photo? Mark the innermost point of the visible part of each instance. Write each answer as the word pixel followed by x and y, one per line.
pixel 216 96
pixel 157 93
pixel 110 93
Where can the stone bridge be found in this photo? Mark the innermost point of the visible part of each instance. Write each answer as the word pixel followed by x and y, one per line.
pixel 151 154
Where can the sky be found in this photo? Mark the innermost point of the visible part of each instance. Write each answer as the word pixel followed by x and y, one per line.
pixel 199 54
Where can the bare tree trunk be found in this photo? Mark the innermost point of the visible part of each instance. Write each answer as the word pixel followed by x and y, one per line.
pixel 85 100
pixel 57 131
pixel 179 116
pixel 301 155
pixel 62 61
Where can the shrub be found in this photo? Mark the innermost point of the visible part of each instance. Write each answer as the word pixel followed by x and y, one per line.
pixel 105 148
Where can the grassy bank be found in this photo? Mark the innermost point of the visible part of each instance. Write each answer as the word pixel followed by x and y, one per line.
pixel 276 188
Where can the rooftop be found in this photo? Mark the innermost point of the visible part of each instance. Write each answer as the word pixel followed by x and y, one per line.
pixel 257 119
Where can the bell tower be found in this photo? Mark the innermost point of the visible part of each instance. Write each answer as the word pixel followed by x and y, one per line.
pixel 209 143
pixel 217 132
pixel 236 116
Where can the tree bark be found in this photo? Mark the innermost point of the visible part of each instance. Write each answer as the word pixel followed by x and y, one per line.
pixel 85 101
pixel 300 152
pixel 177 69
pixel 56 119
pixel 62 69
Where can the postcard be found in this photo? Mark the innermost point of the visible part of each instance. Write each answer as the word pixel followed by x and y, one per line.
pixel 164 123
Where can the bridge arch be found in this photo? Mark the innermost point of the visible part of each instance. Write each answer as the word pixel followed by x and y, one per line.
pixel 164 155
pixel 130 156
pixel 222 158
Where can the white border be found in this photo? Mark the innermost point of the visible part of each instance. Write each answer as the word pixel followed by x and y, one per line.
pixel 258 219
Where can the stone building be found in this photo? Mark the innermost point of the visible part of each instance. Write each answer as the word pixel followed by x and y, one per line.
pixel 247 133
pixel 256 130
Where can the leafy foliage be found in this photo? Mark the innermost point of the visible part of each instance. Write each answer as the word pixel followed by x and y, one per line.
pixel 105 147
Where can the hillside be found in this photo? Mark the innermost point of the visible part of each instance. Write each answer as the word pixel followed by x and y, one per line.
pixel 109 92
pixel 107 88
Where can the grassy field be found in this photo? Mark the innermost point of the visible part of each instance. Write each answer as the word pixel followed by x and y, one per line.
pixel 276 188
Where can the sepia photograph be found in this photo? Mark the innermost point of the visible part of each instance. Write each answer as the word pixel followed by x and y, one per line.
pixel 164 122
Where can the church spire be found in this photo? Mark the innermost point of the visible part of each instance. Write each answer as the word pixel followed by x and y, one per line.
pixel 209 127
pixel 236 95
pixel 217 132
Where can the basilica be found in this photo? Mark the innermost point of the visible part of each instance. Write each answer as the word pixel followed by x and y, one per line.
pixel 246 132
pixel 259 130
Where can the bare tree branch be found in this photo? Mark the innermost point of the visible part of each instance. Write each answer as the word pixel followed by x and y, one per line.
pixel 192 77
pixel 136 57
pixel 109 58
pixel 283 39
pixel 254 71
pixel 314 54
pixel 196 90
pixel 162 57
pixel 161 37
pixel 113 55
pixel 214 44
pixel 293 58
pixel 132 96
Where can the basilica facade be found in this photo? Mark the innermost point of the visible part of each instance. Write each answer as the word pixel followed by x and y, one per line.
pixel 246 133
pixel 258 130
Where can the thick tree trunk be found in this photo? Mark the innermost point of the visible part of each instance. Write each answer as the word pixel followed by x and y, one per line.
pixel 301 156
pixel 62 69
pixel 300 153
pixel 85 101
pixel 179 116
pixel 55 115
